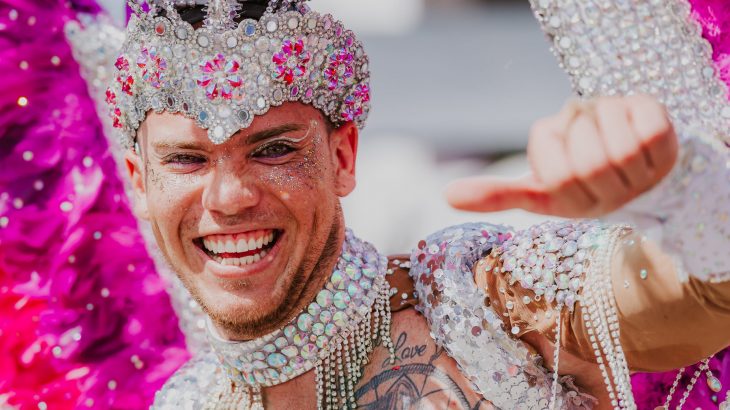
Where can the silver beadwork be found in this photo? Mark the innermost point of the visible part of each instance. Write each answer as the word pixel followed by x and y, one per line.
pixel 499 365
pixel 334 336
pixel 601 320
pixel 224 74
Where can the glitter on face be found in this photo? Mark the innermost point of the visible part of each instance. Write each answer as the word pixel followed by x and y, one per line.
pixel 284 182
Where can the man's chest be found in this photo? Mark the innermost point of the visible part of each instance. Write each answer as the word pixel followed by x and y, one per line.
pixel 422 376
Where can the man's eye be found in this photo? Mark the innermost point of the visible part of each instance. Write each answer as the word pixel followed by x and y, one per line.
pixel 274 151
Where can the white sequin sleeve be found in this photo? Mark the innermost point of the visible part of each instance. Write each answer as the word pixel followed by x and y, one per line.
pixel 656 47
pixel 689 212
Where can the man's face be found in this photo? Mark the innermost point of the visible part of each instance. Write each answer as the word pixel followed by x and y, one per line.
pixel 252 226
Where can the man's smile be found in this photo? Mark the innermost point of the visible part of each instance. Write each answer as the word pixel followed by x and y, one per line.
pixel 239 254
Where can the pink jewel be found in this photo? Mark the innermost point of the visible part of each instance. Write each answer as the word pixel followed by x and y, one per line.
pixel 126 84
pixel 116 117
pixel 291 61
pixel 122 64
pixel 111 98
pixel 354 104
pixel 362 91
pixel 220 77
pixel 339 71
pixel 160 28
pixel 153 67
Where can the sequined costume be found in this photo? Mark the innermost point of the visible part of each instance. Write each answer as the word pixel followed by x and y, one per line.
pixel 482 286
pixel 556 278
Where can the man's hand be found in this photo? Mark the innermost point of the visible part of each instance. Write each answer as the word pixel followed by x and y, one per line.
pixel 588 160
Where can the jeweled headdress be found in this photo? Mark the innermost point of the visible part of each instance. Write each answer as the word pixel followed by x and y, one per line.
pixel 225 73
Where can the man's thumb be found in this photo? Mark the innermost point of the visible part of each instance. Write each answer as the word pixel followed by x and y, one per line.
pixel 491 194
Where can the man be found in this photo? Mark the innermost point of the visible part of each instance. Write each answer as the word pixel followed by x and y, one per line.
pixel 304 315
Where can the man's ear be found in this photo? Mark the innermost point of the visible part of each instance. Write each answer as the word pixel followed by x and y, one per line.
pixel 344 142
pixel 135 169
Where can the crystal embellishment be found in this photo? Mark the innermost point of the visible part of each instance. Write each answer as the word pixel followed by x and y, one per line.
pixel 250 67
pixel 327 321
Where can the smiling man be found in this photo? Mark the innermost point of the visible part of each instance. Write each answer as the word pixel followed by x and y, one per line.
pixel 243 137
pixel 240 224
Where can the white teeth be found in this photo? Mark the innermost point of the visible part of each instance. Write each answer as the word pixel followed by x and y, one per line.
pixel 230 247
pixel 222 245
pixel 242 246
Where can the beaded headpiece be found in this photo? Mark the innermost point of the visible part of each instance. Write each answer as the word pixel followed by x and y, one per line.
pixel 225 73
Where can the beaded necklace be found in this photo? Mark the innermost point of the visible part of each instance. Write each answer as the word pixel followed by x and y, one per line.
pixel 334 336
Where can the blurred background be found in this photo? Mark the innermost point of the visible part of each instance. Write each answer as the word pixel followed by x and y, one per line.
pixel 456 87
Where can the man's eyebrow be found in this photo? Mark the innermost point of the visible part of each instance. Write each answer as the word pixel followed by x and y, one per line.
pixel 272 132
pixel 191 146
pixel 251 139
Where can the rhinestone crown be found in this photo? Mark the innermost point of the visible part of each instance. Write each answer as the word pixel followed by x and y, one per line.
pixel 225 73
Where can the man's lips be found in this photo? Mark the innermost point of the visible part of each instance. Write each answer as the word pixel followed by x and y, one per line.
pixel 240 255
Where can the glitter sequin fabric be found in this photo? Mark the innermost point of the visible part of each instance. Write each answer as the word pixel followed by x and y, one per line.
pixel 690 210
pixel 472 333
pixel 191 387
pixel 550 259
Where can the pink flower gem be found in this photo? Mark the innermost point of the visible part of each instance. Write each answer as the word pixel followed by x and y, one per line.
pixel 111 97
pixel 153 66
pixel 291 61
pixel 122 64
pixel 339 71
pixel 126 82
pixel 220 77
pixel 355 103
pixel 117 118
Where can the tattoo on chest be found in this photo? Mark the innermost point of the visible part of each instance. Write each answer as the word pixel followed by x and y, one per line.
pixel 413 385
pixel 405 352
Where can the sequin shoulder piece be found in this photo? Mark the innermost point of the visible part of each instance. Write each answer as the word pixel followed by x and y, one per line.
pixel 192 385
pixel 501 367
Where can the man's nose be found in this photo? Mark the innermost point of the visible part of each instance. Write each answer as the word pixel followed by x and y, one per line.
pixel 229 193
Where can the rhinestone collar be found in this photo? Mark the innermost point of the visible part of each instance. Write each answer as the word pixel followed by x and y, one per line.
pixel 348 297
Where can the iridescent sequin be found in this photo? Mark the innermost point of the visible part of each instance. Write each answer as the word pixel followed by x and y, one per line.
pixel 501 367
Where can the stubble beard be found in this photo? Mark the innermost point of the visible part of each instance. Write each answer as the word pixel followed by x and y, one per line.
pixel 250 324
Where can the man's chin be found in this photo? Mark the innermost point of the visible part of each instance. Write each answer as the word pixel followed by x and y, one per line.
pixel 240 320
pixel 243 310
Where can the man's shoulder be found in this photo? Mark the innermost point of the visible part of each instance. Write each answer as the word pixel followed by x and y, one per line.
pixel 189 387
